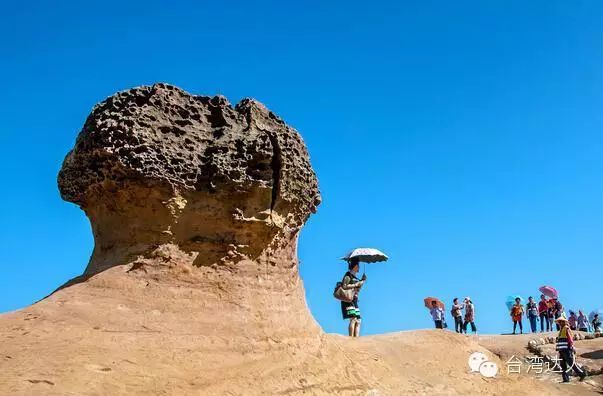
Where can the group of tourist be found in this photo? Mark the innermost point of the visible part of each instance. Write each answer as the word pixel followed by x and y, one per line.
pixel 548 310
pixel 461 321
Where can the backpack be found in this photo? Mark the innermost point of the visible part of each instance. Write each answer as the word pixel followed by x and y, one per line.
pixel 532 309
pixel 455 312
pixel 341 294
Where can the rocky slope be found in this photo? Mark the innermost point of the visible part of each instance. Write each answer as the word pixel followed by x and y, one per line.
pixel 193 285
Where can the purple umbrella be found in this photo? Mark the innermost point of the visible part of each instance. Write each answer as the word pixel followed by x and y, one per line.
pixel 549 291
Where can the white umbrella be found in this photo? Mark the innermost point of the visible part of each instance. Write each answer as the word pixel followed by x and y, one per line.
pixel 366 255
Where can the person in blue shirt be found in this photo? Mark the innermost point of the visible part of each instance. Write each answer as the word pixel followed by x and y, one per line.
pixel 437 314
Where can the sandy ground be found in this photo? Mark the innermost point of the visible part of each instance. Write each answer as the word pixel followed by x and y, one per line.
pixel 112 335
pixel 589 354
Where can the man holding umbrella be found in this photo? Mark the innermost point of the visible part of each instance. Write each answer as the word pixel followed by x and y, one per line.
pixel 350 309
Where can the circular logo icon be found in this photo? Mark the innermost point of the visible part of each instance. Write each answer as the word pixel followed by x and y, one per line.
pixel 475 360
pixel 488 369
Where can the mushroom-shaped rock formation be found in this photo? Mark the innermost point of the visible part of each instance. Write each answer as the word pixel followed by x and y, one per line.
pixel 156 165
pixel 188 189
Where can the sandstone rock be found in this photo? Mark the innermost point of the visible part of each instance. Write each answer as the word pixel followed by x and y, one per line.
pixel 156 165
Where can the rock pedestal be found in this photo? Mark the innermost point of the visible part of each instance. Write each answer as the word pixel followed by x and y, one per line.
pixel 155 165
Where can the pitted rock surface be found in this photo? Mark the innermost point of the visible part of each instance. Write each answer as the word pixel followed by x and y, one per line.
pixel 161 132
pixel 157 157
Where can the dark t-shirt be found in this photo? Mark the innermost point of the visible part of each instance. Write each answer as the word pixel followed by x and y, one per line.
pixel 352 278
pixel 558 309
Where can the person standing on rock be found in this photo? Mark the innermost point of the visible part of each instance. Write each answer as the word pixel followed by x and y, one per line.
pixel 582 321
pixel 517 315
pixel 573 320
pixel 469 315
pixel 543 312
pixel 437 314
pixel 596 324
pixel 532 313
pixel 557 311
pixel 350 310
pixel 457 315
pixel 565 347
pixel 551 312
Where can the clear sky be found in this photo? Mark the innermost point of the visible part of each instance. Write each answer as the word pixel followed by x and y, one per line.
pixel 462 138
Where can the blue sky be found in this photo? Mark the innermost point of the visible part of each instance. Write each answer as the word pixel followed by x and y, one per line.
pixel 462 138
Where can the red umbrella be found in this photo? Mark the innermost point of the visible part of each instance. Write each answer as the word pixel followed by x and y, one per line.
pixel 549 291
pixel 428 301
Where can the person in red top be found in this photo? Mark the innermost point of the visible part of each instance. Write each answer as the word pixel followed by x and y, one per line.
pixel 517 315
pixel 543 313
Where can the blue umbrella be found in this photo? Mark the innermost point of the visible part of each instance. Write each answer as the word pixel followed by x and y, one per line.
pixel 511 300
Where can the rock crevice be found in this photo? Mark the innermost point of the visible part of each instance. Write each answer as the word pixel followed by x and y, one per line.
pixel 156 165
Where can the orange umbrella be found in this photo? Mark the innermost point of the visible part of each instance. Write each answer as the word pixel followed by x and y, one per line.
pixel 428 301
